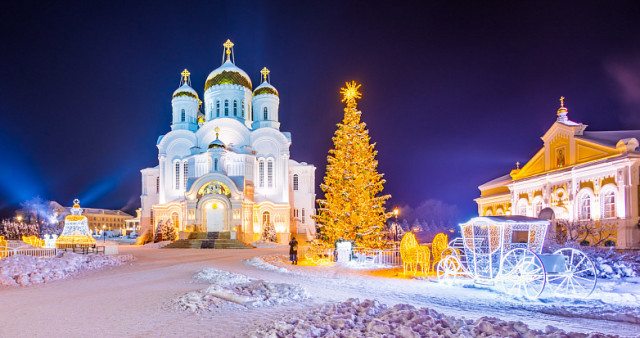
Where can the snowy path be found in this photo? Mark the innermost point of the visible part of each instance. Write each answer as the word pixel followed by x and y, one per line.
pixel 135 299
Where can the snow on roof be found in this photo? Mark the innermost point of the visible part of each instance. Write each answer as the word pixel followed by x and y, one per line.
pixel 502 180
pixel 609 138
pixel 506 219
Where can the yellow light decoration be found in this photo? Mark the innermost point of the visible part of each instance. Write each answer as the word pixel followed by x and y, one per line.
pixel 351 93
pixel 33 241
pixel 414 254
pixel 439 244
pixel 3 247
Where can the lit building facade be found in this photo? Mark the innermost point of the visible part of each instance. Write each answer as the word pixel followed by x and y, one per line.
pixel 225 165
pixel 577 176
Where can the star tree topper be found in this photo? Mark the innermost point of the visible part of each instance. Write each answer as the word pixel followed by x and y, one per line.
pixel 351 93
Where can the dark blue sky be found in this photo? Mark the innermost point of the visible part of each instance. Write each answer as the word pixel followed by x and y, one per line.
pixel 454 93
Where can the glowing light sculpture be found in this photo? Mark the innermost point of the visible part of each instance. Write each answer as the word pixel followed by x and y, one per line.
pixel 507 251
pixel 76 230
pixel 413 254
pixel 438 245
pixel 3 247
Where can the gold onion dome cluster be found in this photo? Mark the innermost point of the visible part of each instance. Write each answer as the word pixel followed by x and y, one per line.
pixel 185 90
pixel 228 73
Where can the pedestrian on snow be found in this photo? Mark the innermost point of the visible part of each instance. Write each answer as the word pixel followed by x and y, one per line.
pixel 293 251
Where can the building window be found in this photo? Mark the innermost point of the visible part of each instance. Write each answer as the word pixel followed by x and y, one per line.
pixel 177 175
pixel 538 209
pixel 261 173
pixel 235 108
pixel 185 173
pixel 215 164
pixel 266 113
pixel 218 108
pixel 182 116
pixel 226 107
pixel 270 173
pixel 584 206
pixel 302 219
pixel 609 205
pixel 295 182
pixel 266 218
pixel 242 108
pixel 157 185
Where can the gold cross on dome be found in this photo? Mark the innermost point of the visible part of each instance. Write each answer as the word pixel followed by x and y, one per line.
pixel 227 46
pixel 561 101
pixel 517 165
pixel 264 73
pixel 185 75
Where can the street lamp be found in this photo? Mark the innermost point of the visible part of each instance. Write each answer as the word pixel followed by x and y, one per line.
pixel 104 234
pixel 395 213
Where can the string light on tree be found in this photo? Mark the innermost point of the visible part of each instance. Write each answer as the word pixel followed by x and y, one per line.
pixel 352 209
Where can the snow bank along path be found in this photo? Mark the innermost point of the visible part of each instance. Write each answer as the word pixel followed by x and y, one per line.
pixel 369 318
pixel 131 300
pixel 28 270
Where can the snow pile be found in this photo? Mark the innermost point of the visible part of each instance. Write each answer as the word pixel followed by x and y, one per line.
pixel 28 270
pixel 260 264
pixel 234 291
pixel 369 318
pixel 157 245
pixel 268 245
pixel 215 276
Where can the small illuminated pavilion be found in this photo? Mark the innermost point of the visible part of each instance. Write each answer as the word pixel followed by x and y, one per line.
pixel 225 165
pixel 577 176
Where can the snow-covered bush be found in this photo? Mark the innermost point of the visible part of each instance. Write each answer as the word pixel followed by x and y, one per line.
pixel 609 263
pixel 14 230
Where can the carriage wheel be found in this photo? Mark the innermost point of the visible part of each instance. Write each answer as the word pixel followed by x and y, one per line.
pixel 579 278
pixel 522 273
pixel 449 268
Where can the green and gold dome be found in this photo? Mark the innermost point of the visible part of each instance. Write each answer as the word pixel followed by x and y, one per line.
pixel 185 91
pixel 228 73
pixel 265 87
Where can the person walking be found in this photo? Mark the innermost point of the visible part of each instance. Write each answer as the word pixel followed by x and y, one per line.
pixel 293 251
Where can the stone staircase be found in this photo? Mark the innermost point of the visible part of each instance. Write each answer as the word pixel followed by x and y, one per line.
pixel 208 240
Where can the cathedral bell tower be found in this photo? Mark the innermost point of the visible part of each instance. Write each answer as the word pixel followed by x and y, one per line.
pixel 265 102
pixel 185 103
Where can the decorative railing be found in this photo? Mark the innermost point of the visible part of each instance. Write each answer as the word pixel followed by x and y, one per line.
pixel 387 257
pixel 7 251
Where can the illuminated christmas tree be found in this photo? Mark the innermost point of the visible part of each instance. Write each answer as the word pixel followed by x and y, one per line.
pixel 352 209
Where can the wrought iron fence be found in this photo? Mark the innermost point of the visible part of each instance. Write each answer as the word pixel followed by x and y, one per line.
pixel 6 251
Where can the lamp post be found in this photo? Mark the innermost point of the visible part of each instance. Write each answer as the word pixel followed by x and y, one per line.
pixel 395 213
pixel 104 234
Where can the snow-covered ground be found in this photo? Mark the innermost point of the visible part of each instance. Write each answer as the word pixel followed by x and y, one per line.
pixel 139 299
pixel 268 245
pixel 28 270
pixel 370 318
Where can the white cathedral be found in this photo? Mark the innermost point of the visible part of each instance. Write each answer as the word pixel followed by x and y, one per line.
pixel 226 167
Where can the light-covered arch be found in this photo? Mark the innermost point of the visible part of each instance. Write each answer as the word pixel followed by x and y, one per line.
pixel 537 205
pixel 191 194
pixel 521 207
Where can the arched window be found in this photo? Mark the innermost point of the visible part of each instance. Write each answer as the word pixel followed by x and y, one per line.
pixel 235 108
pixel 177 175
pixel 302 219
pixel 499 212
pixel 608 200
pixel 266 113
pixel 488 213
pixel 218 108
pixel 270 173
pixel 226 107
pixel 522 207
pixel 261 173
pixel 584 207
pixel 266 217
pixel 185 174
pixel 242 108
pixel 182 116
pixel 295 182
pixel 215 164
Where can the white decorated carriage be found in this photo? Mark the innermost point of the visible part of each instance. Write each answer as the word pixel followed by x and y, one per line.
pixel 507 251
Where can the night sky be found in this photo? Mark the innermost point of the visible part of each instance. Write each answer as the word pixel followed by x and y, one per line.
pixel 453 93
